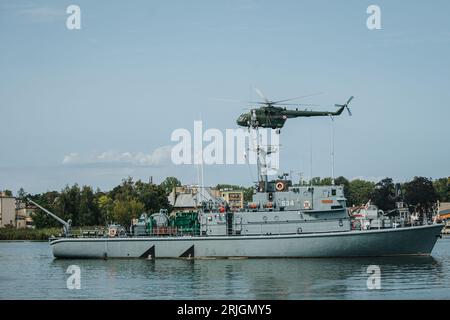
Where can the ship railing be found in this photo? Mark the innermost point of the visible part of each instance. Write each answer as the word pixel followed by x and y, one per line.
pixel 357 224
pixel 156 232
pixel 89 233
pixel 164 231
pixel 173 231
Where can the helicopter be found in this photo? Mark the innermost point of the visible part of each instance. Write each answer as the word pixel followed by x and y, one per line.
pixel 273 114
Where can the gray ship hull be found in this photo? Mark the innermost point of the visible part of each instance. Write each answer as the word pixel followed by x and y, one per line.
pixel 418 240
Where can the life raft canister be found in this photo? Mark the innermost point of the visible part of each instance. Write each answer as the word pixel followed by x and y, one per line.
pixel 279 186
pixel 269 205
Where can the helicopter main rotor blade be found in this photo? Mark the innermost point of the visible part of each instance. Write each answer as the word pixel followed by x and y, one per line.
pixel 259 102
pixel 298 104
pixel 284 104
pixel 261 95
pixel 300 97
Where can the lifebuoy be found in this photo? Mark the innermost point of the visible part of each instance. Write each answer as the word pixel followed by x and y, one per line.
pixel 112 232
pixel 306 205
pixel 279 186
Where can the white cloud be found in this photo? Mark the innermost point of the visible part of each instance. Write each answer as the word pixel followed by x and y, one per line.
pixel 33 12
pixel 43 13
pixel 72 157
pixel 158 157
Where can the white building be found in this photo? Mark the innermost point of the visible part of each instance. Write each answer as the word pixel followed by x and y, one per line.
pixel 7 211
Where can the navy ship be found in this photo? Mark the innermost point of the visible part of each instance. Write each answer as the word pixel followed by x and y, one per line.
pixel 283 220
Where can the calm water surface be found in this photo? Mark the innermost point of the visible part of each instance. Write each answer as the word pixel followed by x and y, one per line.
pixel 29 271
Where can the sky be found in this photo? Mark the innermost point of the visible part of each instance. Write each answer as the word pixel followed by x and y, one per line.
pixel 96 105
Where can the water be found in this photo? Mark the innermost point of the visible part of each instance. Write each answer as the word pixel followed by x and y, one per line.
pixel 29 271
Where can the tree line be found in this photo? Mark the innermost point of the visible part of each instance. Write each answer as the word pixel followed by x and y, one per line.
pixel 420 194
pixel 88 207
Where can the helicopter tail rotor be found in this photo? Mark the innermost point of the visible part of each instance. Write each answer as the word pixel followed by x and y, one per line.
pixel 346 105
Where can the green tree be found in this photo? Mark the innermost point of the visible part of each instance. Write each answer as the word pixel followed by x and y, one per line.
pixel 248 193
pixel 442 187
pixel 420 193
pixel 341 181
pixel 125 210
pixel 106 206
pixel 47 200
pixel 169 183
pixel 384 195
pixel 152 196
pixel 89 212
pixel 68 203
pixel 21 194
pixel 123 191
pixel 360 191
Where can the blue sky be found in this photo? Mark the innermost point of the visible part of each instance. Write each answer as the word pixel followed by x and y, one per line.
pixel 135 72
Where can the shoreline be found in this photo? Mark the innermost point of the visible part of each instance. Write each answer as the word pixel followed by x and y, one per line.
pixel 10 234
pixel 3 241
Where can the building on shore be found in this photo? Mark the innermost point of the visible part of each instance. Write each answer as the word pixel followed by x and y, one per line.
pixel 444 210
pixel 234 198
pixel 7 210
pixel 189 197
pixel 15 213
pixel 24 215
pixel 444 214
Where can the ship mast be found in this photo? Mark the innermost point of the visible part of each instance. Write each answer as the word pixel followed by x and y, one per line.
pixel 261 162
pixel 260 153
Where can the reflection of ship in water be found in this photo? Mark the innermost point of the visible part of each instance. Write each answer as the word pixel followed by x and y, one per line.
pixel 250 279
pixel 334 277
